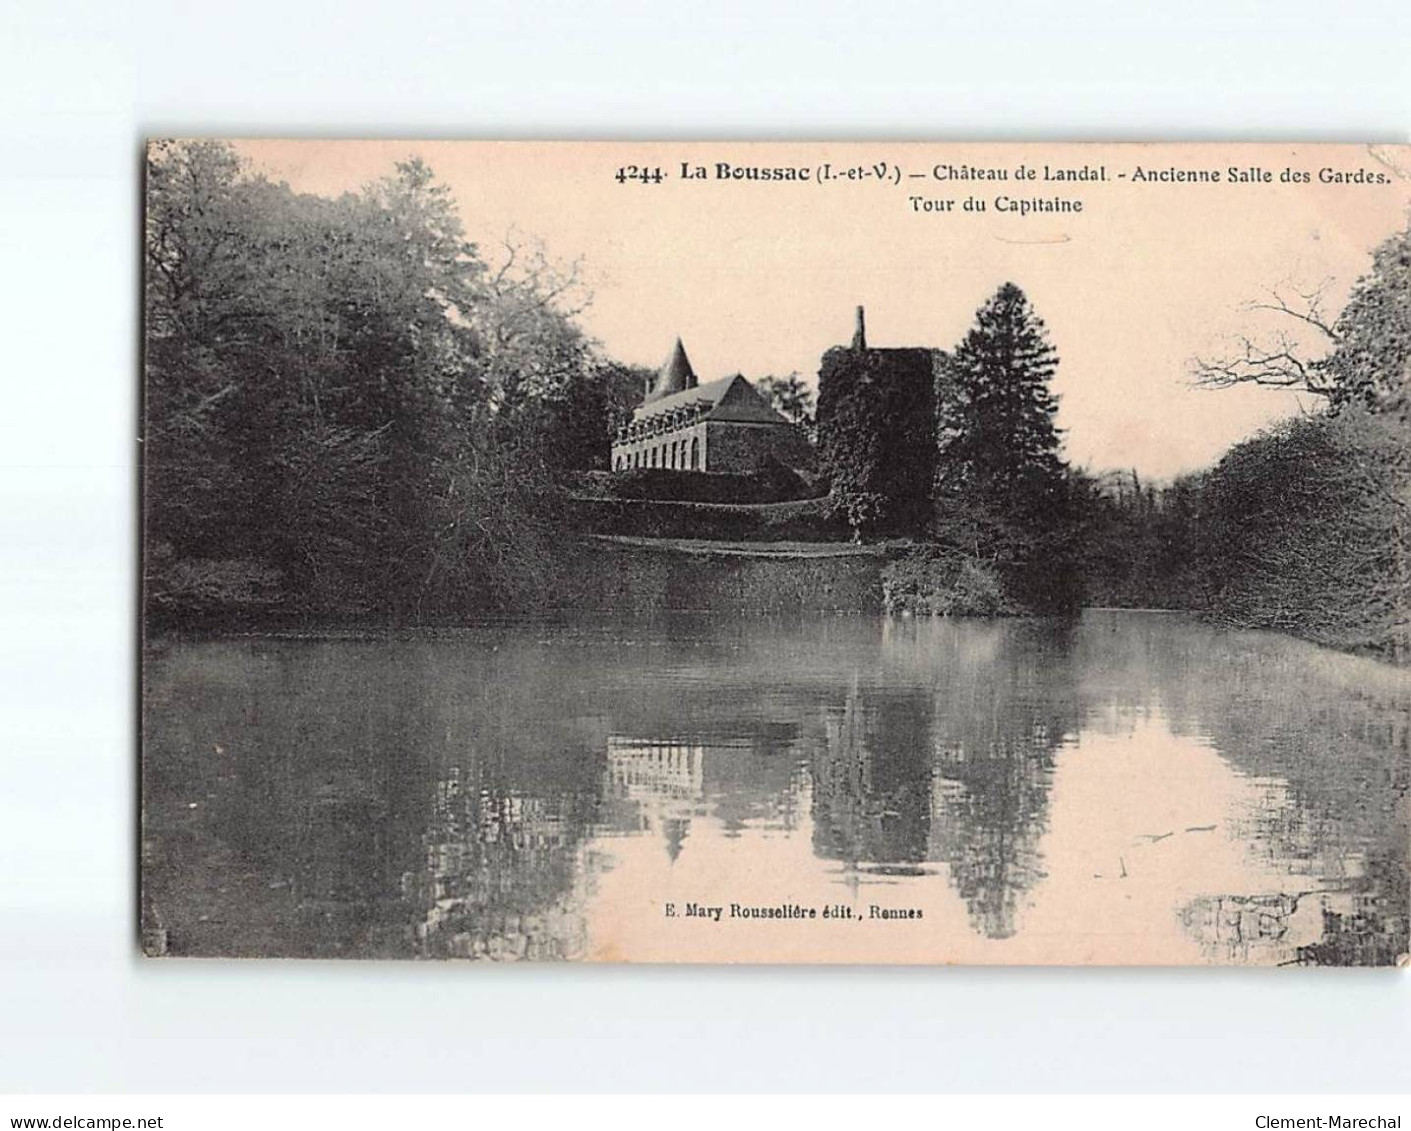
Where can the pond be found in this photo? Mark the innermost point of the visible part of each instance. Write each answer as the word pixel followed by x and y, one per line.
pixel 1124 787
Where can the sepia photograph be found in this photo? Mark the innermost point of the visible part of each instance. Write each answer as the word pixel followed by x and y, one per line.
pixel 799 552
pixel 705 565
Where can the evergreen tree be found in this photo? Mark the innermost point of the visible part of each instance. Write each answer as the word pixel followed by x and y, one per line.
pixel 1001 488
pixel 996 427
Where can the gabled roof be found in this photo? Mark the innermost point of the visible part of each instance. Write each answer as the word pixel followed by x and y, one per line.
pixel 729 398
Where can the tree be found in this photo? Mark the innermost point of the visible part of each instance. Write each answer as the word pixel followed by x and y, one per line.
pixel 211 305
pixel 1001 491
pixel 554 397
pixel 572 426
pixel 996 418
pixel 1361 356
pixel 791 398
pixel 1305 528
pixel 324 404
pixel 531 346
pixel 1138 541
pixel 1371 362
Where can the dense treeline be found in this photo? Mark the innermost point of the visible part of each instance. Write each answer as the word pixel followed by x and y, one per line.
pixel 350 410
pixel 346 407
pixel 1304 528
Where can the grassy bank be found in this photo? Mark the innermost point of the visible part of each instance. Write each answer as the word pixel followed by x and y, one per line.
pixel 624 576
pixel 636 577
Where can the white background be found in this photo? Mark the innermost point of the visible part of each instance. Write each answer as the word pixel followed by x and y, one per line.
pixel 81 83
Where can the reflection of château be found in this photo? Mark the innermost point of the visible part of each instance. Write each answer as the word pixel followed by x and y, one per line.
pixel 656 787
pixel 645 770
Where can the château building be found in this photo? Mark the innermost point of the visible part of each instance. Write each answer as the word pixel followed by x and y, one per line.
pixel 723 425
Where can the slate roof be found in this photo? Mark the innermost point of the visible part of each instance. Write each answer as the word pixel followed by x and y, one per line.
pixel 729 398
pixel 675 374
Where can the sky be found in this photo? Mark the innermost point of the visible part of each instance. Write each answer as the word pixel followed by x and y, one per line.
pixel 762 277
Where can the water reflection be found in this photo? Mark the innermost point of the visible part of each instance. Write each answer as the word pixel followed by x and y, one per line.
pixel 954 766
pixel 1128 787
pixel 500 875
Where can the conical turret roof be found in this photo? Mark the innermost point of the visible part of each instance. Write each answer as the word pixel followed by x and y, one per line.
pixel 675 375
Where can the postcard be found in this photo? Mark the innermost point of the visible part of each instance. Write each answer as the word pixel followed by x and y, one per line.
pixel 777 552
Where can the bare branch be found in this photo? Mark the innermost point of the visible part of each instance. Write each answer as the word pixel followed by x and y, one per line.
pixel 1276 366
pixel 1284 362
pixel 1308 311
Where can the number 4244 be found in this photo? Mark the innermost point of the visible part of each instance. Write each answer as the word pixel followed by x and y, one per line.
pixel 640 173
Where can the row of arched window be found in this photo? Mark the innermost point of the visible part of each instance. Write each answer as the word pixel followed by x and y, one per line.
pixel 682 455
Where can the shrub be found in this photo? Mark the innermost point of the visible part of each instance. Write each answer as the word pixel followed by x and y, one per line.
pixel 938 581
pixel 865 511
pixel 772 483
pixel 203 585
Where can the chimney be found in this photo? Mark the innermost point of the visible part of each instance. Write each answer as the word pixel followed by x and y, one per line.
pixel 859 334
